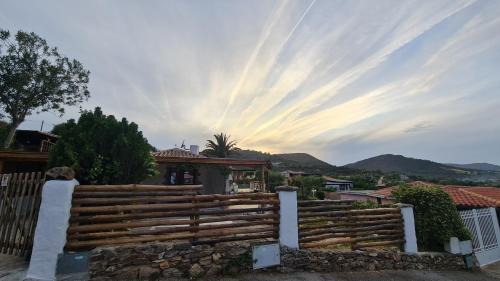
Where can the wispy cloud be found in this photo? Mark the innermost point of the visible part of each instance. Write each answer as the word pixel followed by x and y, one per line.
pixel 342 80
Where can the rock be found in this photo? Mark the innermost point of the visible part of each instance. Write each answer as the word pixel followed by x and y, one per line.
pixel 149 273
pixel 196 271
pixel 216 257
pixel 60 173
pixel 214 270
pixel 172 272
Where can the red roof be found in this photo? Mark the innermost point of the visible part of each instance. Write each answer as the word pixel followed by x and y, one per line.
pixel 176 153
pixel 463 196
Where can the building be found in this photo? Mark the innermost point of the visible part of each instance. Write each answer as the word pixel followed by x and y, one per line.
pixel 30 152
pixel 217 175
pixel 337 184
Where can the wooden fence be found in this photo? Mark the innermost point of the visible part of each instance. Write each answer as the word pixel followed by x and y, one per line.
pixel 111 215
pixel 325 223
pixel 20 195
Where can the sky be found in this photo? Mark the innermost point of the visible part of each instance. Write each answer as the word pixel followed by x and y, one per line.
pixel 341 80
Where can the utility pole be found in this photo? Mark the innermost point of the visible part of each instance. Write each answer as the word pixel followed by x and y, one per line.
pixel 41 127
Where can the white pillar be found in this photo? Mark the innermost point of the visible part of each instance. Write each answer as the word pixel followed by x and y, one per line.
pixel 409 227
pixel 289 227
pixel 50 232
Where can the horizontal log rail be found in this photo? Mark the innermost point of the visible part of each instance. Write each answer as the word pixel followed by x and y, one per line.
pixel 123 214
pixel 333 222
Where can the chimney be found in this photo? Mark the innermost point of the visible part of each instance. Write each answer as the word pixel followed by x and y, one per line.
pixel 194 149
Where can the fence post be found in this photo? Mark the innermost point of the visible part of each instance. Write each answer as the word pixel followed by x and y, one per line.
pixel 289 228
pixel 409 227
pixel 50 232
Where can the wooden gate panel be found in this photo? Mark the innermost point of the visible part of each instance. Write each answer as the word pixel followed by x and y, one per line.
pixel 19 204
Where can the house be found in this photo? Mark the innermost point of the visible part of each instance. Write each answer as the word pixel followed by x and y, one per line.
pixel 217 175
pixel 30 153
pixel 337 184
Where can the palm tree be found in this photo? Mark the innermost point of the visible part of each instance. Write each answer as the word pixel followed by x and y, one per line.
pixel 222 146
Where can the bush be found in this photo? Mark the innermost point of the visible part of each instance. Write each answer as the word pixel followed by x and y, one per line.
pixel 436 216
pixel 306 185
pixel 103 150
pixel 274 179
pixel 367 204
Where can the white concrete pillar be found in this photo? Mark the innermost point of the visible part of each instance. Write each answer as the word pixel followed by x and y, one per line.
pixel 289 226
pixel 409 227
pixel 50 232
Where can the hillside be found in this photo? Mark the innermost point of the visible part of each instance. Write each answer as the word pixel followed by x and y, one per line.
pixel 423 168
pixel 293 161
pixel 477 166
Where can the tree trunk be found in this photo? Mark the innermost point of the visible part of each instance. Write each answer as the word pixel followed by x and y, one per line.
pixel 10 136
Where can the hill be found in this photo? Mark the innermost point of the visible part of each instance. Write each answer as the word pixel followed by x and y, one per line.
pixel 293 161
pixel 477 166
pixel 425 169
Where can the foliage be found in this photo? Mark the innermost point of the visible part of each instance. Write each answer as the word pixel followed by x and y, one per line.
pixel 222 147
pixel 306 185
pixel 103 150
pixel 436 216
pixel 274 179
pixel 36 78
pixel 367 204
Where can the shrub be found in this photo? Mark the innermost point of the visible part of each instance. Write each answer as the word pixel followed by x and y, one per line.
pixel 436 216
pixel 367 204
pixel 274 179
pixel 103 150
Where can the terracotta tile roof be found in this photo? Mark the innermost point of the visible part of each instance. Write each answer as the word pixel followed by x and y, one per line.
pixel 176 153
pixel 463 196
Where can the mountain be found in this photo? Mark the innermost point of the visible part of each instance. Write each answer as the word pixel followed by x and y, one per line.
pixel 405 165
pixel 424 168
pixel 477 166
pixel 293 161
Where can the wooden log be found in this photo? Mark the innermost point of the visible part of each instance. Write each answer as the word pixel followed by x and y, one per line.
pixel 180 198
pixel 347 234
pixel 176 206
pixel 111 194
pixel 70 245
pixel 357 212
pixel 326 243
pixel 150 215
pixel 323 208
pixel 237 238
pixel 349 229
pixel 136 187
pixel 378 237
pixel 382 243
pixel 346 223
pixel 191 228
pixel 302 203
pixel 163 222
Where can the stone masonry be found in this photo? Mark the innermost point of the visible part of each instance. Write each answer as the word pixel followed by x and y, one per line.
pixel 154 261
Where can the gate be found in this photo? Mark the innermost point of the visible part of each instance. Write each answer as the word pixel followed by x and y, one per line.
pixel 20 195
pixel 483 226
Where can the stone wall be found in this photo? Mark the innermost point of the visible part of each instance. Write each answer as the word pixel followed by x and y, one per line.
pixel 152 261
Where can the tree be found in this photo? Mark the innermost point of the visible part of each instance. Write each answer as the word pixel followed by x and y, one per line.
pixel 222 147
pixel 275 179
pixel 436 216
pixel 35 78
pixel 103 150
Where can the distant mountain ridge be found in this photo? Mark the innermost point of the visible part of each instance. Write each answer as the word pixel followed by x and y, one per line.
pixel 477 166
pixel 424 168
pixel 292 161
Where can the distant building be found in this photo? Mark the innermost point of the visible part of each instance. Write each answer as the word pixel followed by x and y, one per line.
pixel 30 152
pixel 337 184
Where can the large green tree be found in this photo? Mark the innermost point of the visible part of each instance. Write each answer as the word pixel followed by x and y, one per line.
pixel 36 78
pixel 103 150
pixel 222 147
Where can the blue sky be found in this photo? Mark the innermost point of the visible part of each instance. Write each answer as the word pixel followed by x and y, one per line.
pixel 342 80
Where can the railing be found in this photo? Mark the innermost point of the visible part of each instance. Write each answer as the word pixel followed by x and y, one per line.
pixel 46 146
pixel 111 215
pixel 335 223
pixel 20 195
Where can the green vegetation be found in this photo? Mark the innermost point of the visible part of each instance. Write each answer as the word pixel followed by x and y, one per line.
pixel 222 147
pixel 306 186
pixel 367 204
pixel 103 150
pixel 436 216
pixel 36 78
pixel 274 179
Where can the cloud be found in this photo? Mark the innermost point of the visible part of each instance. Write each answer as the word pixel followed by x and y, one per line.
pixel 341 80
